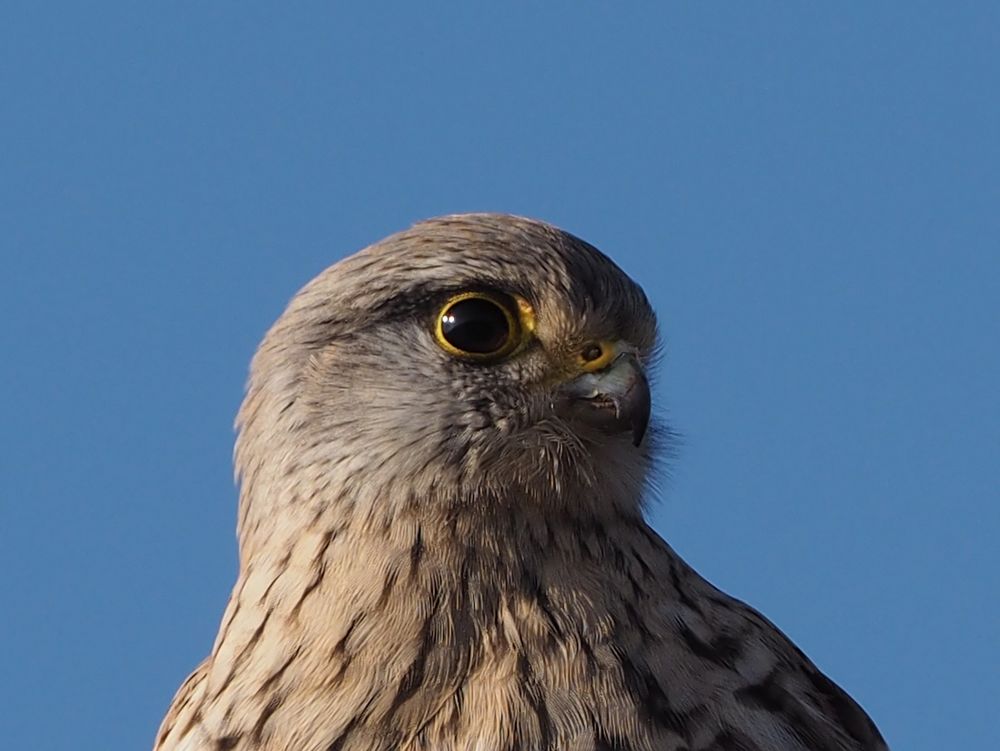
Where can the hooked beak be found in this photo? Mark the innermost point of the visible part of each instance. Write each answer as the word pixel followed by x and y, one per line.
pixel 615 399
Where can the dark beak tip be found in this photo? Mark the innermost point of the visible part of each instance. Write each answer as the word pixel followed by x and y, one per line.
pixel 640 409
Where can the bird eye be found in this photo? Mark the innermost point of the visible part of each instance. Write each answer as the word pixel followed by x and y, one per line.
pixel 478 326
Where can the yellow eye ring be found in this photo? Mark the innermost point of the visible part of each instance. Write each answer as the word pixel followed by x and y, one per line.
pixel 481 326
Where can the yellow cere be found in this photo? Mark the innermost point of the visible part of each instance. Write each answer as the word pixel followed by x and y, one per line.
pixel 608 351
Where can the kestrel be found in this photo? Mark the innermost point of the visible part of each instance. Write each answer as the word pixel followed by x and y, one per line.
pixel 442 456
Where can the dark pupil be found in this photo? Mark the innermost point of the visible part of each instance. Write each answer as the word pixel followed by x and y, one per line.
pixel 475 325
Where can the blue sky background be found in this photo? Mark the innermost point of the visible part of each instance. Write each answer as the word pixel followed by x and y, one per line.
pixel 808 192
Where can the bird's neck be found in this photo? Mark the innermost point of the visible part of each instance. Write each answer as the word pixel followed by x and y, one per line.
pixel 465 553
pixel 414 609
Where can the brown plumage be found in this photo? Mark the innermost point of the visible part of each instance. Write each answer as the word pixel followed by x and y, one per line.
pixel 442 456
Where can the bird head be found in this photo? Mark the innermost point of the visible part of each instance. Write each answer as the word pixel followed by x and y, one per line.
pixel 476 360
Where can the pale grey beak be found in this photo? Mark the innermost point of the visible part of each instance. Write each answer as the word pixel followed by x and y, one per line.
pixel 614 400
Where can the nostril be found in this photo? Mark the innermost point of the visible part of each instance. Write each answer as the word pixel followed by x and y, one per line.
pixel 592 351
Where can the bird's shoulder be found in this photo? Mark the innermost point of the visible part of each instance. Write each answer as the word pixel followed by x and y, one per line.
pixel 178 730
pixel 709 653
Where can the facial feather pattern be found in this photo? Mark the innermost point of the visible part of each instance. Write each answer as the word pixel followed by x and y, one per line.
pixel 442 455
